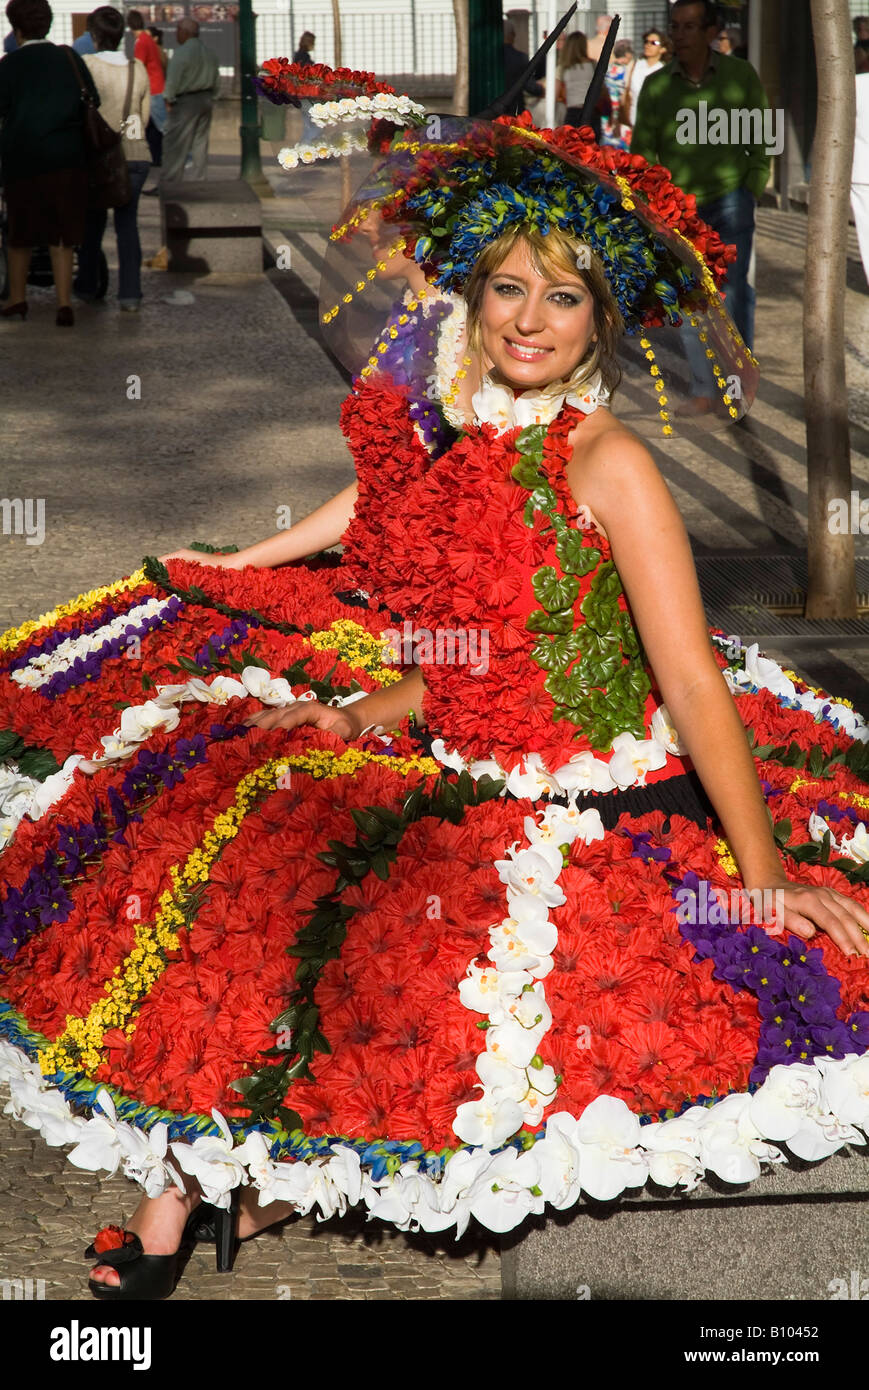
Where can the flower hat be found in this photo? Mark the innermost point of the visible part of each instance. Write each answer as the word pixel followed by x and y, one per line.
pixel 444 188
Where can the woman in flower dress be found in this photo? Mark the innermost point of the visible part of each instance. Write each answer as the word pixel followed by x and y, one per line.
pixel 446 911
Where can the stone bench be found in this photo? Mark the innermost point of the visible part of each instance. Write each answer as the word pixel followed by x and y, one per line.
pixel 791 1234
pixel 212 225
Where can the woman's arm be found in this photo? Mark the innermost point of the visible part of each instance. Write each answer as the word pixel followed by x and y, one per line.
pixel 617 478
pixel 324 527
pixel 384 709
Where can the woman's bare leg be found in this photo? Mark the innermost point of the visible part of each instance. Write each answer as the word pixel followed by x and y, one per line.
pixel 19 265
pixel 61 264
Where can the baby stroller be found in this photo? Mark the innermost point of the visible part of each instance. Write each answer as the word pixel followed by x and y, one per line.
pixel 40 262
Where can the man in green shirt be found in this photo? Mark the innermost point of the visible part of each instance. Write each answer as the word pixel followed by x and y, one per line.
pixel 706 118
pixel 192 83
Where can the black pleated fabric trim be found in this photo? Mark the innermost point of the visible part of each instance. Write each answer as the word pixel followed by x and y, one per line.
pixel 682 795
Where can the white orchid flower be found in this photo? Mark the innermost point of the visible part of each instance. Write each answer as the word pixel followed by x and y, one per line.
pixel 487 1123
pixel 171 695
pixel 145 1158
pixel 502 1196
pixel 486 990
pixel 266 688
pixel 46 793
pixel 765 673
pixel 516 1042
pixel 846 1087
pixel 525 939
pixel 533 871
pixel 818 828
pixel 779 1107
pixel 633 758
pixel 99 1147
pixel 16 793
pixel 611 1159
pixel 213 1161
pixel 452 760
pixel 585 773
pixel 535 781
pixel 217 692
pixel 43 1109
pixel 138 722
pixel 500 1078
pixel 558 1158
pixel 673 1151
pixel 730 1144
pixel 856 846
pixel 487 767
pixel 665 731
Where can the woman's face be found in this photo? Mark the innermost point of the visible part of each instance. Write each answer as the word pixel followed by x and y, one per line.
pixel 652 48
pixel 534 330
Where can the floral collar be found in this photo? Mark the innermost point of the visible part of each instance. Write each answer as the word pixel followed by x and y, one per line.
pixel 497 405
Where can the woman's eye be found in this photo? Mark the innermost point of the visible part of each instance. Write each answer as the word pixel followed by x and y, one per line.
pixel 506 289
pixel 568 300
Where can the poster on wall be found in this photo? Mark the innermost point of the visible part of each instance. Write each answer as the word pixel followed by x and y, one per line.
pixel 218 27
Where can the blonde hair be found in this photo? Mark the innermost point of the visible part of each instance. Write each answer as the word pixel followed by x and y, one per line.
pixel 551 255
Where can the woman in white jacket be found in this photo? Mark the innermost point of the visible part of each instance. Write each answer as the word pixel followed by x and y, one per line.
pixel 109 70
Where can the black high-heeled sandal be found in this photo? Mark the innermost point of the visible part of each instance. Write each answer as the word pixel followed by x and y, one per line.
pixel 154 1277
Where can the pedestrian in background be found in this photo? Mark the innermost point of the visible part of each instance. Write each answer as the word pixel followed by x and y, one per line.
pixel 861 43
pixel 860 169
pixel 302 55
pixel 85 43
pixel 192 83
pixel 110 69
pixel 42 153
pixel 149 52
pixel 616 86
pixel 727 180
pixel 515 63
pixel 577 71
pixel 598 39
pixel 650 61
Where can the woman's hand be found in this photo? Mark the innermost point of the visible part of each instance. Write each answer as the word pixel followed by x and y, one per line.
pixel 803 907
pixel 225 562
pixel 342 721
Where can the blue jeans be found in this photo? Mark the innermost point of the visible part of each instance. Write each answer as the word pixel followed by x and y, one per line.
pixel 129 246
pixel 732 217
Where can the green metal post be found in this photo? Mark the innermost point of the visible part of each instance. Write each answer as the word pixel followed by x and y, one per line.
pixel 249 130
pixel 485 53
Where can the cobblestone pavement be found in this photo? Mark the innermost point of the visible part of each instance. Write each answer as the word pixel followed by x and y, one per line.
pixel 196 420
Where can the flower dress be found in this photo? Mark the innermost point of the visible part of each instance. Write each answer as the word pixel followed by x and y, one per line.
pixel 459 970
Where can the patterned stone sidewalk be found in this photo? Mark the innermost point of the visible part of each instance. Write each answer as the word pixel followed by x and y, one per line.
pixel 50 1211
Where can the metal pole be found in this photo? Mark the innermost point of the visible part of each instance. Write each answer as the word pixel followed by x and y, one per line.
pixel 249 130
pixel 551 21
pixel 413 32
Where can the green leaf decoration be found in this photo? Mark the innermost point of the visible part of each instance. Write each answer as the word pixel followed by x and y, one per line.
pixel 541 621
pixel 38 763
pixel 552 592
pixel 213 549
pixel 574 556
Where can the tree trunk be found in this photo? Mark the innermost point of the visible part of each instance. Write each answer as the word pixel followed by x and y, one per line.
pixel 832 584
pixel 462 86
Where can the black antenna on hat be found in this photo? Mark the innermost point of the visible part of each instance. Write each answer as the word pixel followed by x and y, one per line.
pixel 500 104
pixel 592 96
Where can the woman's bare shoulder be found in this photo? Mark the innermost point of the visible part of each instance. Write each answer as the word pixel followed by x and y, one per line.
pixel 606 453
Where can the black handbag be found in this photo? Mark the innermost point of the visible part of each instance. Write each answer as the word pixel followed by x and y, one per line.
pixel 108 176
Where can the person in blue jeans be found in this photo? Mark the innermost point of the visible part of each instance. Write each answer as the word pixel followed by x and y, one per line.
pixel 109 69
pixel 727 179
